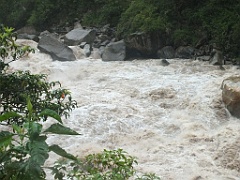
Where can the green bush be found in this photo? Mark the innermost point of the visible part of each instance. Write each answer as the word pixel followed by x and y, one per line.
pixel 16 86
pixel 108 165
pixel 104 12
pixel 141 16
pixel 24 150
pixel 25 100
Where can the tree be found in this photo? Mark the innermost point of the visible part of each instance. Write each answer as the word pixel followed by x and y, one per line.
pixel 25 101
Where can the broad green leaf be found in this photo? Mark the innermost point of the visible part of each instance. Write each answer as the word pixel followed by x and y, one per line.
pixel 51 113
pixel 8 115
pixel 38 150
pixel 61 152
pixel 5 138
pixel 34 129
pixel 31 169
pixel 60 129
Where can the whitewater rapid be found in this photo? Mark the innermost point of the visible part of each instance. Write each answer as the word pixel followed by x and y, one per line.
pixel 171 118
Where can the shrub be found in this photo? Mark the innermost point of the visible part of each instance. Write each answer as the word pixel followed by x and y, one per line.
pixel 108 165
pixel 16 86
pixel 25 100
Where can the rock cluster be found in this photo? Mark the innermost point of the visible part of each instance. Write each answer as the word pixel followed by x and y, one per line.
pixel 103 43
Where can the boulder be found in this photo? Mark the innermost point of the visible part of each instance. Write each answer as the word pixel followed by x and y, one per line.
pixel 216 57
pixel 79 35
pixel 114 51
pixel 231 95
pixel 164 62
pixel 185 52
pixel 145 43
pixel 47 33
pixel 87 50
pixel 57 50
pixel 166 52
pixel 28 36
pixel 28 32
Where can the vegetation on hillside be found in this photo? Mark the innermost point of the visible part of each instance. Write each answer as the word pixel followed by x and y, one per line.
pixel 185 21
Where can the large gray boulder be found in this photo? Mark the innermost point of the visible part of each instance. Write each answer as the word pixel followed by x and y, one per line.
pixel 147 44
pixel 166 52
pixel 58 51
pixel 114 51
pixel 231 95
pixel 79 35
pixel 185 52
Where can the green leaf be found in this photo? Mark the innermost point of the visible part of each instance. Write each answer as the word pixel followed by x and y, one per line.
pixel 61 152
pixel 8 115
pixel 51 113
pixel 5 138
pixel 38 150
pixel 60 129
pixel 34 129
pixel 31 170
pixel 17 128
pixel 29 105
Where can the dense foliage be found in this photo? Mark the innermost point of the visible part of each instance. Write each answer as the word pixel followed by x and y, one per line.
pixel 15 87
pixel 185 21
pixel 25 101
pixel 107 165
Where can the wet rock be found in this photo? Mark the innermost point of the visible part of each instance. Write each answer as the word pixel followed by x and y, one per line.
pixel 185 52
pixel 28 32
pixel 145 43
pixel 216 57
pixel 115 51
pixel 79 35
pixel 231 95
pixel 166 52
pixel 87 50
pixel 164 62
pixel 56 49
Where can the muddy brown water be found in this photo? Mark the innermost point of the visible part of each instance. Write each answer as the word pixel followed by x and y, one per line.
pixel 171 118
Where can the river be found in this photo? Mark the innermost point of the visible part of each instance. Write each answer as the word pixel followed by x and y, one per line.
pixel 171 118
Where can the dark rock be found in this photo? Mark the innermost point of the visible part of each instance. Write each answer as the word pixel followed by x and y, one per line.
pixel 216 57
pixel 28 32
pixel 47 33
pixel 56 49
pixel 185 52
pixel 166 52
pixel 76 36
pixel 164 62
pixel 28 36
pixel 82 44
pixel 114 51
pixel 145 43
pixel 87 50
